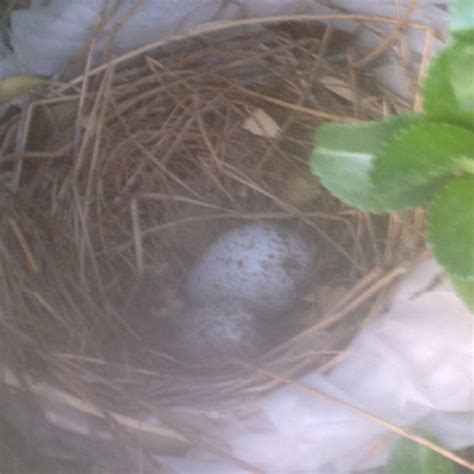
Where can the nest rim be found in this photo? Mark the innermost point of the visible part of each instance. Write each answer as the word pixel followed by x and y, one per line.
pixel 371 287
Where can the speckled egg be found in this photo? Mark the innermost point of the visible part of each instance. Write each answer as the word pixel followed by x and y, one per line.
pixel 218 329
pixel 262 265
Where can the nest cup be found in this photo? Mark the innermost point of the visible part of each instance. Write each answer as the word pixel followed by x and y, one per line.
pixel 123 176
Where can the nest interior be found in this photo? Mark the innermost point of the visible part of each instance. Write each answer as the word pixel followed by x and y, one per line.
pixel 121 178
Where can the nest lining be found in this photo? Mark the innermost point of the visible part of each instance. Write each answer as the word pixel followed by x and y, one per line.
pixel 127 177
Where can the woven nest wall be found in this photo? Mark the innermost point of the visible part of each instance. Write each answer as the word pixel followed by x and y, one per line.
pixel 122 177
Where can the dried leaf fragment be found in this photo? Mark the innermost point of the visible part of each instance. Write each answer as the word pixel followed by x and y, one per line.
pixel 261 124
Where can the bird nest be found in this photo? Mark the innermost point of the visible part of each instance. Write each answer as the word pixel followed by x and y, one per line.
pixel 120 178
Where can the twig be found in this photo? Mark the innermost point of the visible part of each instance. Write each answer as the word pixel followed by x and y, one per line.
pixel 30 260
pixel 313 392
pixel 227 25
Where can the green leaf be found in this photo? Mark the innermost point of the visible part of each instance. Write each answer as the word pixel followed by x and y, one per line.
pixel 451 227
pixel 449 86
pixel 344 154
pixel 408 457
pixel 465 290
pixel 462 18
pixel 412 166
pixel 461 70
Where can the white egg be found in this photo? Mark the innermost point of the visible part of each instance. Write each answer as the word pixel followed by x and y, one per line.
pixel 264 266
pixel 218 329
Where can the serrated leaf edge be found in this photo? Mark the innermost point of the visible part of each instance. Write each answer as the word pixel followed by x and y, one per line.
pixel 456 117
pixel 429 229
pixel 350 202
pixel 368 124
pixel 401 135
pixel 326 182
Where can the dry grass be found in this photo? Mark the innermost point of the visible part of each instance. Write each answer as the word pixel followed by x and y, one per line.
pixel 124 176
